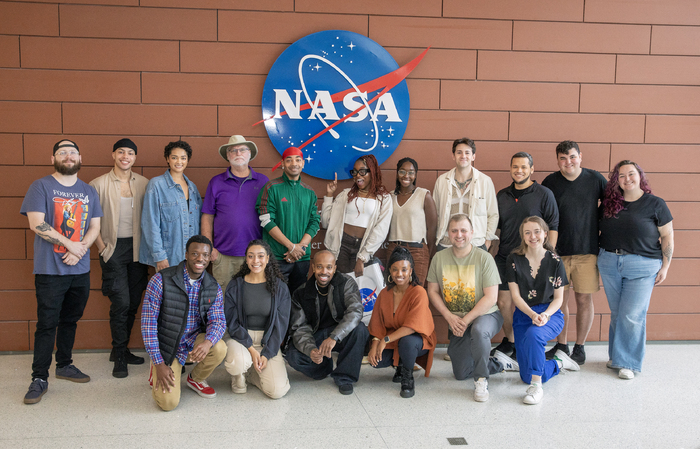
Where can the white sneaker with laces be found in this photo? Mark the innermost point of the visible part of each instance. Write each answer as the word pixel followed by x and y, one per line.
pixel 566 362
pixel 626 374
pixel 534 394
pixel 481 390
pixel 508 363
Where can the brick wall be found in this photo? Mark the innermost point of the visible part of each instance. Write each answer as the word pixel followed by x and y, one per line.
pixel 620 77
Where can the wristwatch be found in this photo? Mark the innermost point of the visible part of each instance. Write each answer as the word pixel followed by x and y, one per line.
pixel 387 339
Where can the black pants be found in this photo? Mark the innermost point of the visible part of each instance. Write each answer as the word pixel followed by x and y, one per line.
pixel 60 301
pixel 350 352
pixel 296 273
pixel 410 348
pixel 123 281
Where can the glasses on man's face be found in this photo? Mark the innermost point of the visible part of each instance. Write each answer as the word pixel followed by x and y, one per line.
pixel 64 153
pixel 361 172
pixel 237 150
pixel 409 173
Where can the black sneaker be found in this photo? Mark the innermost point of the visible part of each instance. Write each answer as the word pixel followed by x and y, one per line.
pixel 505 347
pixel 120 370
pixel 131 359
pixel 345 389
pixel 557 347
pixel 72 373
pixel 578 355
pixel 36 390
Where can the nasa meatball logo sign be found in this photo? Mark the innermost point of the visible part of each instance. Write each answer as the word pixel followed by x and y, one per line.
pixel 336 95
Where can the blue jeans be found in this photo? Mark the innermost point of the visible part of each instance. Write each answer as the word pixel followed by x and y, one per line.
pixel 530 341
pixel 628 281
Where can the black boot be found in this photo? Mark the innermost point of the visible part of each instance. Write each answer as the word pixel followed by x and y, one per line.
pixel 397 375
pixel 407 385
pixel 120 370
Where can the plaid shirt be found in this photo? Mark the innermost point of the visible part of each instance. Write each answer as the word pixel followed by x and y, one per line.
pixel 151 310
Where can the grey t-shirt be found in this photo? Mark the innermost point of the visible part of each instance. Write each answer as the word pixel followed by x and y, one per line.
pixel 257 305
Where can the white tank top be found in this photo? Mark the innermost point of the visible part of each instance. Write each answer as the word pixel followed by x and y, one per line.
pixel 358 212
pixel 125 227
pixel 408 221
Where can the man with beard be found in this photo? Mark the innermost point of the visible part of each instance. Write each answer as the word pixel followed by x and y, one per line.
pixel 61 264
pixel 326 314
pixel 523 198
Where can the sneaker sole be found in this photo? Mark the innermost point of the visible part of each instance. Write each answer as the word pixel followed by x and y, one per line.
pixel 82 380
pixel 36 399
pixel 530 401
pixel 202 394
pixel 407 394
pixel 120 374
pixel 481 399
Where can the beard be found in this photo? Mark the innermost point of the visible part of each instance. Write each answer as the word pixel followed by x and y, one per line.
pixel 66 171
pixel 521 182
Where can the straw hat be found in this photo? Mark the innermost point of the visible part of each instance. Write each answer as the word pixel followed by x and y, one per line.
pixel 238 140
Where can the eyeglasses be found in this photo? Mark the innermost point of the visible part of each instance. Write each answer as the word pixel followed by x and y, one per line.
pixel 361 172
pixel 409 173
pixel 64 153
pixel 237 150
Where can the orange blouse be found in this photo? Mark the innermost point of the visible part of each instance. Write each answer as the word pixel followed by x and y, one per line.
pixel 413 312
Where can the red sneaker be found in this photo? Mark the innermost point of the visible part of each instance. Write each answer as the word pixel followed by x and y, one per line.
pixel 201 388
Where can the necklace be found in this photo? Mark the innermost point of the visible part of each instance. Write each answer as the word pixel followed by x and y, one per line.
pixel 407 193
pixel 319 291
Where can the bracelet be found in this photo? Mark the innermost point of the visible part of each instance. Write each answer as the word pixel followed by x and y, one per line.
pixel 375 339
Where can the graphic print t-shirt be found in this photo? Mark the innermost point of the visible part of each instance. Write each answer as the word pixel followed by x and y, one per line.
pixel 462 281
pixel 69 211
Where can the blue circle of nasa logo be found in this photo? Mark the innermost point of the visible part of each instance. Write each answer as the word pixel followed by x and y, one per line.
pixel 336 95
pixel 369 297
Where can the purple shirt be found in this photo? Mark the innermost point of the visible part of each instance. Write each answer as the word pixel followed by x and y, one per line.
pixel 231 200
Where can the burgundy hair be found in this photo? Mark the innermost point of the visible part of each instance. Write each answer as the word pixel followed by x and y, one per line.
pixel 613 198
pixel 376 188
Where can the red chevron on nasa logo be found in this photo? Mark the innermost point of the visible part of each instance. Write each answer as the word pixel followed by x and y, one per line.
pixel 336 95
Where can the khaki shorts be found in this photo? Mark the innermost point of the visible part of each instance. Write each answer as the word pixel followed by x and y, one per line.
pixel 582 272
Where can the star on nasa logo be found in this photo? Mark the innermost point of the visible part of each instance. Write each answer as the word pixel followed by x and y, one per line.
pixel 336 95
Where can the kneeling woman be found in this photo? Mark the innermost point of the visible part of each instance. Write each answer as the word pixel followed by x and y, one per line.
pixel 257 305
pixel 402 324
pixel 536 278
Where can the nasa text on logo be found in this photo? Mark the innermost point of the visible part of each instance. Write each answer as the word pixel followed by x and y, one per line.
pixel 336 95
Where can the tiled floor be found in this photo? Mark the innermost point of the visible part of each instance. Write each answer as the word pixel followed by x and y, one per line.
pixel 590 409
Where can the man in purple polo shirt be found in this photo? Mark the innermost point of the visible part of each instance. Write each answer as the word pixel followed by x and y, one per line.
pixel 229 216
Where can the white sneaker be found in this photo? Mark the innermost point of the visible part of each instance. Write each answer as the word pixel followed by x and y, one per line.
pixel 238 384
pixel 566 362
pixel 534 394
pixel 609 364
pixel 481 390
pixel 508 363
pixel 626 374
pixel 447 357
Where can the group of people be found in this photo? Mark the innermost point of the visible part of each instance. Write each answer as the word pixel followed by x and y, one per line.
pixel 260 306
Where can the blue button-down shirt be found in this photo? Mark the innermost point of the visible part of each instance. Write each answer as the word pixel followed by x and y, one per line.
pixel 151 309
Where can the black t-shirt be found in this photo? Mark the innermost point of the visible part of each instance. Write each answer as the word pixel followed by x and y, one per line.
pixel 535 200
pixel 578 210
pixel 635 229
pixel 326 318
pixel 257 305
pixel 540 289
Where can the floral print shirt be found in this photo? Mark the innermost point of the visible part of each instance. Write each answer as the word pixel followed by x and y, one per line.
pixel 537 289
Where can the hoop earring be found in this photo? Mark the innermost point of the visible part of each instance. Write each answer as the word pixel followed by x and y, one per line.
pixel 389 279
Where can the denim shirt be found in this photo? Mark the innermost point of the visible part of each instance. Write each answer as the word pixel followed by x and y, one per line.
pixel 166 223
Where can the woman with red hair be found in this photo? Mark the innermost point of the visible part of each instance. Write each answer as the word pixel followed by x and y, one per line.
pixel 636 247
pixel 358 219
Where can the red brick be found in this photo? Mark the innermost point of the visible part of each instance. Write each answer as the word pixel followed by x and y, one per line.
pixel 659 158
pixel 440 33
pixel 12 149
pixel 686 215
pixel 14 336
pixel 12 219
pixel 240 119
pixel 282 27
pixel 186 88
pixel 99 54
pixel 9 51
pixel 438 124
pixel 256 5
pixel 426 8
pixel 684 272
pixel 20 117
pixel 496 156
pixel 686 243
pixel 673 326
pixel 14 244
pixel 672 129
pixel 672 12
pixel 675 40
pixel 578 127
pixel 539 66
pixel 18 274
pixel 28 18
pixel 634 69
pixel 138 23
pixel 505 96
pixel 425 94
pixel 97 307
pixel 581 37
pixel 18 179
pixel 96 2
pixel 667 299
pixel 229 58
pixel 438 63
pixel 138 119
pixel 63 85
pixel 567 10
pixel 18 305
pixel 665 185
pixel 616 98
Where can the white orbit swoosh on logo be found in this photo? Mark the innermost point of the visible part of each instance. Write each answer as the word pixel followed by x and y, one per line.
pixel 333 132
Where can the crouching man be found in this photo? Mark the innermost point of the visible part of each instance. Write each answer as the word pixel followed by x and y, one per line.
pixel 326 313
pixel 183 315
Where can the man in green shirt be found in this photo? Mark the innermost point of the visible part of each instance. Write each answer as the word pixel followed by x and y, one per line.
pixel 463 287
pixel 289 216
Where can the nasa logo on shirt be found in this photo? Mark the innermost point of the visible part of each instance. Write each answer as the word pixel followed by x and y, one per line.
pixel 336 95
